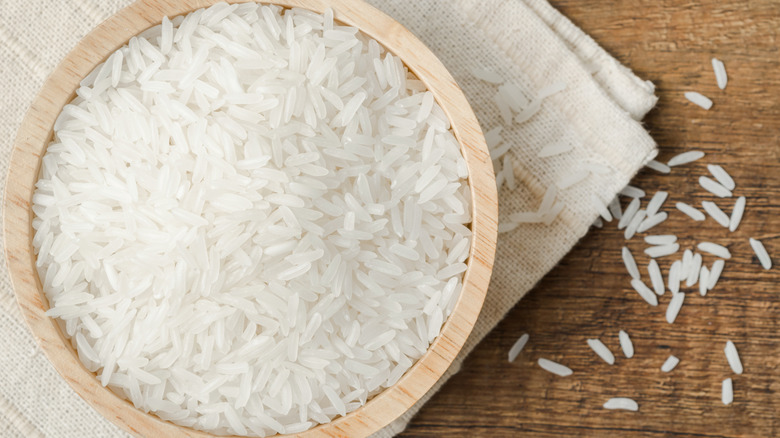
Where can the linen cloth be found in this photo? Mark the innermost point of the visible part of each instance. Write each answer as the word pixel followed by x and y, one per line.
pixel 527 42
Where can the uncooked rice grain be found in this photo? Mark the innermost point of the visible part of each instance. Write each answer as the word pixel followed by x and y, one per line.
pixel 614 208
pixel 656 278
pixel 628 214
pixel 622 403
pixel 634 224
pixel 626 345
pixel 553 149
pixel 727 391
pixel 670 362
pixel 690 211
pixel 685 158
pixel 716 213
pixel 733 357
pixel 600 207
pixel 572 178
pixel 658 166
pixel 760 250
pixel 517 347
pixel 714 275
pixel 632 192
pixel 628 260
pixel 644 292
pixel 675 304
pixel 656 202
pixel 686 263
pixel 662 250
pixel 736 214
pixel 699 99
pixel 652 221
pixel 675 272
pixel 554 367
pixel 231 200
pixel 720 73
pixel 601 350
pixel 487 75
pixel 715 249
pixel 722 176
pixel 714 187
pixel 693 270
pixel 661 239
pixel 704 275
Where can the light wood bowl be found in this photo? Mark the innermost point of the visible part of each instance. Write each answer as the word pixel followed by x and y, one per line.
pixel 36 132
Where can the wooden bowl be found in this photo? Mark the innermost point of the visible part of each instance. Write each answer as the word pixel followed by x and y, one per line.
pixel 37 130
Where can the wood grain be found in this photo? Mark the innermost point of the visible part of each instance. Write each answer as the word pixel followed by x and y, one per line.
pixel 36 131
pixel 588 294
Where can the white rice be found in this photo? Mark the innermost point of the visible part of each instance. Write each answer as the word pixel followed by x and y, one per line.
pixel 644 292
pixel 552 149
pixel 685 158
pixel 599 348
pixel 636 220
pixel 658 166
pixel 621 403
pixel 727 391
pixel 670 362
pixel 716 213
pixel 656 279
pixel 686 263
pixel 699 99
pixel 661 239
pixel 517 347
pixel 628 214
pixel 487 75
pixel 715 249
pixel 704 275
pixel 733 357
pixel 675 271
pixel 736 214
pixel 722 176
pixel 760 250
pixel 691 212
pixel 572 178
pixel 626 345
pixel 714 275
pixel 652 221
pixel 693 270
pixel 675 304
pixel 253 253
pixel 662 250
pixel 600 207
pixel 714 187
pixel 614 208
pixel 720 73
pixel 632 192
pixel 554 367
pixel 628 260
pixel 656 202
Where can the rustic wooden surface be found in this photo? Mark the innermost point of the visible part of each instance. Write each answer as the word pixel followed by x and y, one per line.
pixel 588 294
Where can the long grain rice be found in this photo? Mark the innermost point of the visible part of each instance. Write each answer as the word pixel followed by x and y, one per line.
pixel 601 350
pixel 760 250
pixel 733 357
pixel 626 345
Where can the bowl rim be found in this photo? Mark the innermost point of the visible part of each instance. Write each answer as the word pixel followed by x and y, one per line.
pixel 36 131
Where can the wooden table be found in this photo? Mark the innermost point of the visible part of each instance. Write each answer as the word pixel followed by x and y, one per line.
pixel 588 295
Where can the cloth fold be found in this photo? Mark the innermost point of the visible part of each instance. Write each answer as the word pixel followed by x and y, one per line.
pixel 527 42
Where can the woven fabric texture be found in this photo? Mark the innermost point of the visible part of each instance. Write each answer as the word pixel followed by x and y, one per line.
pixel 527 42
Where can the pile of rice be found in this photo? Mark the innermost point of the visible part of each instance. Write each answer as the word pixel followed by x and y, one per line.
pixel 251 220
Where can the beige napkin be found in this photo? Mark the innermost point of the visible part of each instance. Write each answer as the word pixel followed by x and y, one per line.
pixel 527 42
